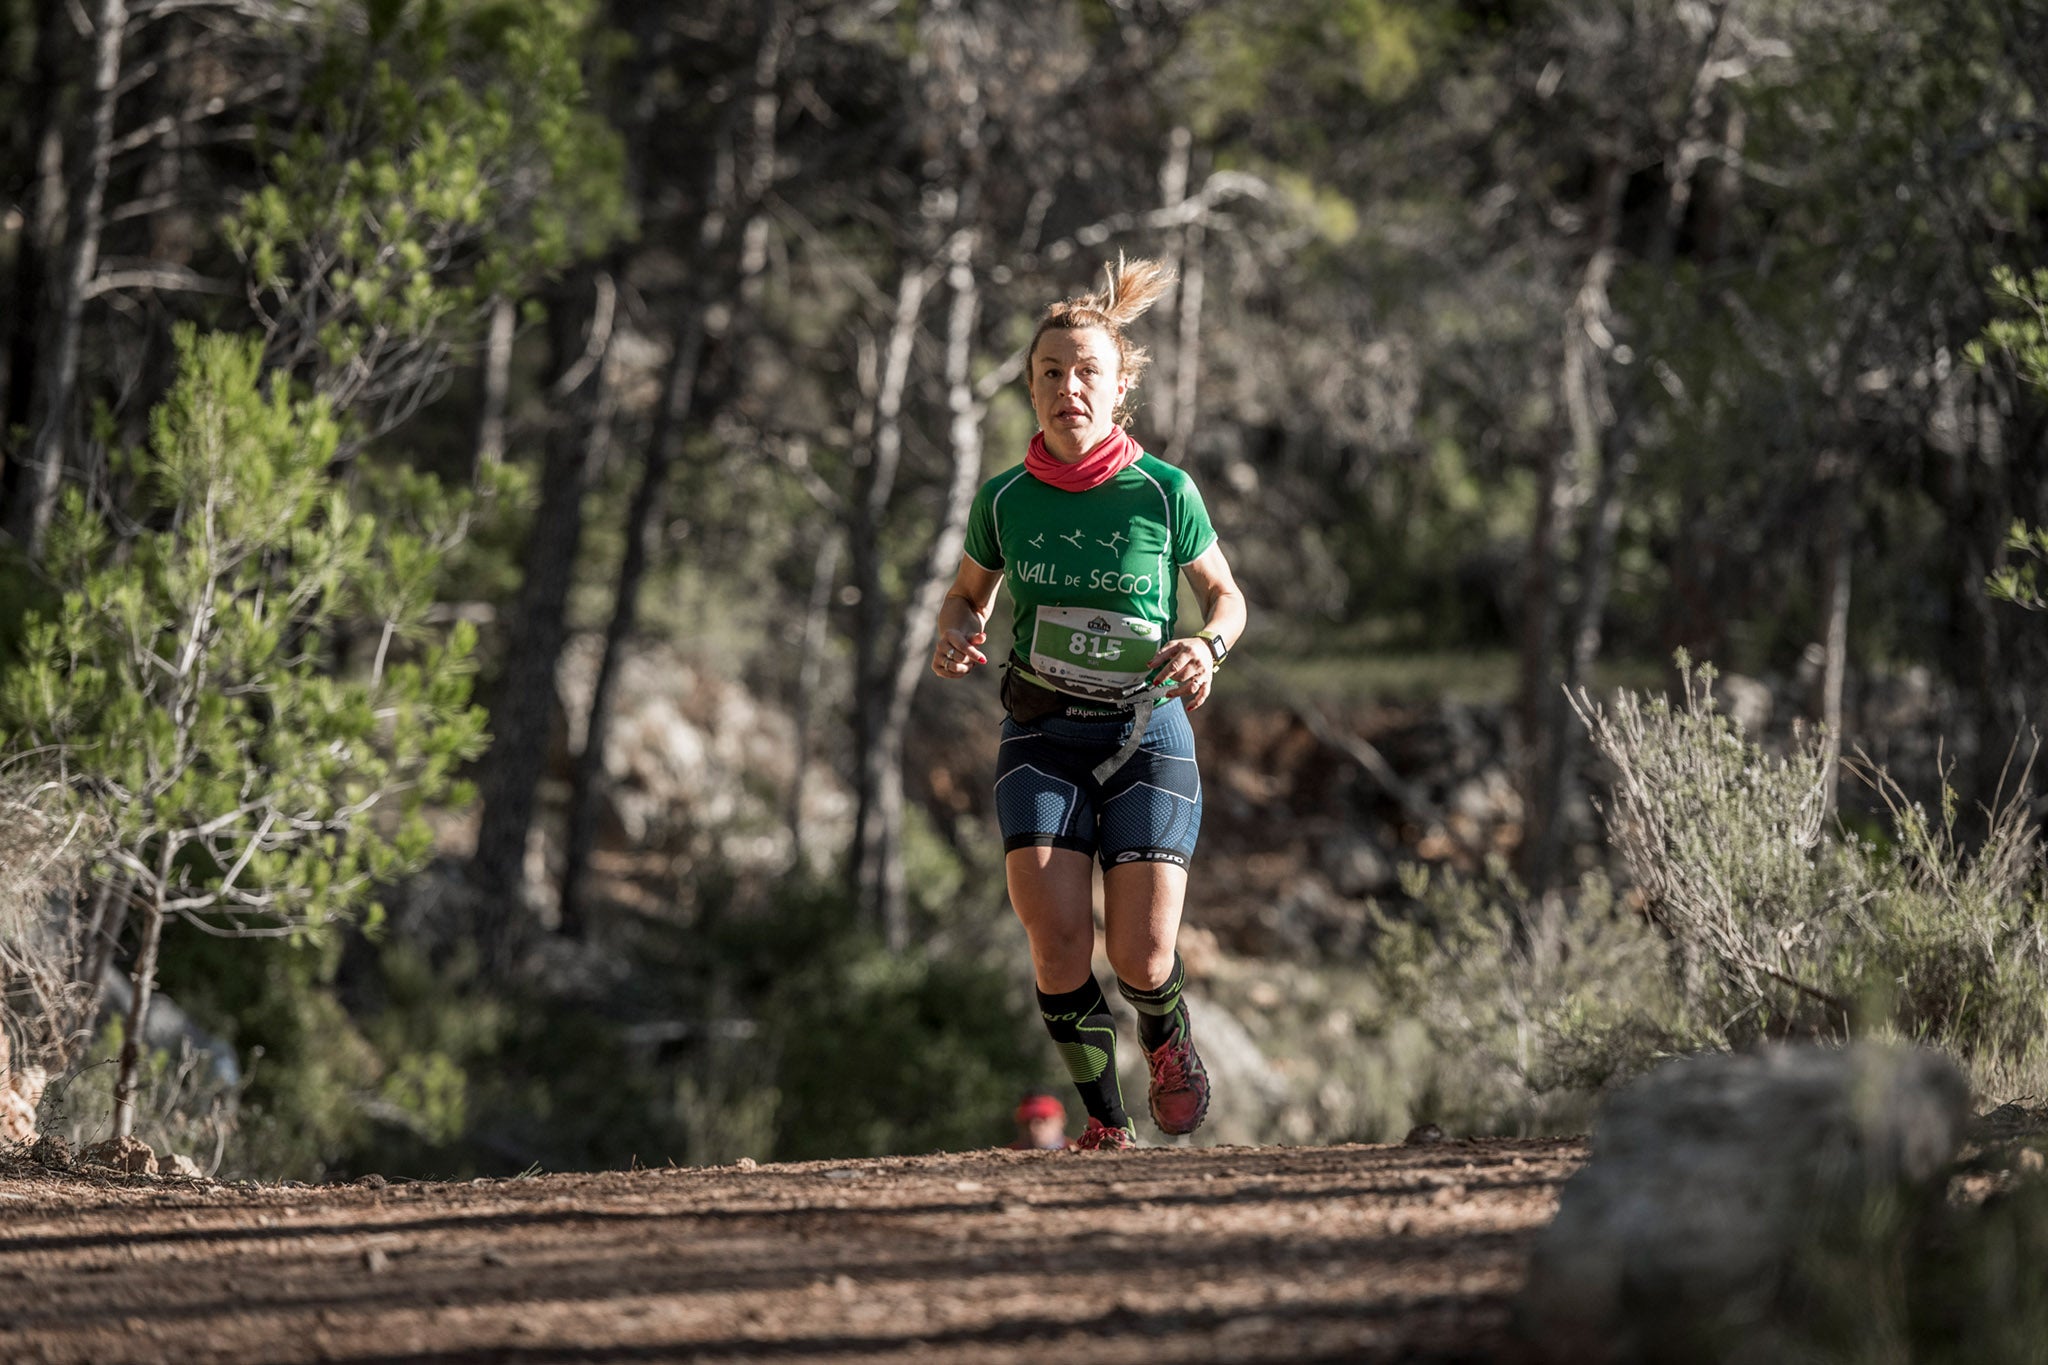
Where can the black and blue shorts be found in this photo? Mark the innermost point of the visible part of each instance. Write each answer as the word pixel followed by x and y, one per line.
pixel 1148 811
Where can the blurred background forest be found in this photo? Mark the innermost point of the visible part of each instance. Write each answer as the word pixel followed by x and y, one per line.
pixel 479 477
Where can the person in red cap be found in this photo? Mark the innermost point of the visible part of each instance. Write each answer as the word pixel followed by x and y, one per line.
pixel 1041 1124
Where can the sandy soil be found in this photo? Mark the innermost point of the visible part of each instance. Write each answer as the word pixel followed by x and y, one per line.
pixel 1184 1254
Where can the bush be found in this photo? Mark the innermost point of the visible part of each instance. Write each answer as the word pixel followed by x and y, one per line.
pixel 182 1103
pixel 1522 1008
pixel 863 1052
pixel 1749 917
pixel 1786 928
pixel 879 1054
pixel 44 1001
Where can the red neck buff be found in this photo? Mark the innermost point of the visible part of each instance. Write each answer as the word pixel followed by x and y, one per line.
pixel 1110 456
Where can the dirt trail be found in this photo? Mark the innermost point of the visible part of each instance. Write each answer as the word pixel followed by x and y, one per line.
pixel 1193 1254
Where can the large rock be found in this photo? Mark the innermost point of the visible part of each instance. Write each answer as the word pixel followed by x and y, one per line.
pixel 1723 1190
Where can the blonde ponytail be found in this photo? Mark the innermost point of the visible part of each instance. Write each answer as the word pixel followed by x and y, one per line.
pixel 1129 289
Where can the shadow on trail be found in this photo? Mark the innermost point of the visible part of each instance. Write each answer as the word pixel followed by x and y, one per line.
pixel 1098 1336
pixel 633 1270
pixel 284 1230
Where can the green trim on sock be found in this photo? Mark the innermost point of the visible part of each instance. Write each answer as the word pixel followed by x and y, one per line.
pixel 1161 1015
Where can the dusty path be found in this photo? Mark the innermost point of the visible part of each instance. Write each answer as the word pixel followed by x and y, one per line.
pixel 1202 1254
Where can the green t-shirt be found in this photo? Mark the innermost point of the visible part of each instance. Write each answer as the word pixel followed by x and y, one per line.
pixel 1094 577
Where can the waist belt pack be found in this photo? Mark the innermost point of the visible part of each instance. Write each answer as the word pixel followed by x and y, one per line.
pixel 1029 702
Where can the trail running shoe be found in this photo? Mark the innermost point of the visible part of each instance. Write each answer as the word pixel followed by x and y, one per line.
pixel 1100 1137
pixel 1180 1085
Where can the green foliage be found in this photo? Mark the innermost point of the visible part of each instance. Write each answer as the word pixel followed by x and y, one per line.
pixel 881 1053
pixel 2021 584
pixel 307 1065
pixel 1958 951
pixel 2021 335
pixel 490 1078
pixel 1725 841
pixel 867 1052
pixel 450 158
pixel 1793 929
pixel 185 689
pixel 1526 1008
pixel 1749 918
pixel 181 1107
pixel 1250 61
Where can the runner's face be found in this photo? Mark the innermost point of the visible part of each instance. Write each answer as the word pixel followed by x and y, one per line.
pixel 1076 384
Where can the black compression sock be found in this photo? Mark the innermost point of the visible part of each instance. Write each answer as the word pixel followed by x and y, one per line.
pixel 1085 1032
pixel 1161 1015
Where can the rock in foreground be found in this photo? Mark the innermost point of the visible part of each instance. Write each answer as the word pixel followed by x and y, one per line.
pixel 1723 1190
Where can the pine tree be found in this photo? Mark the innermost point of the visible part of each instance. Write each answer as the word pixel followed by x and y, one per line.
pixel 184 694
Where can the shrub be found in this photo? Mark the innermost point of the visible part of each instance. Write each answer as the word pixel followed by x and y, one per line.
pixel 1726 843
pixel 45 1001
pixel 1525 1007
pixel 1746 916
pixel 867 1052
pixel 183 697
pixel 1789 928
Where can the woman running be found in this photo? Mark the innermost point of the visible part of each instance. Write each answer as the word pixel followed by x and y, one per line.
pixel 1097 760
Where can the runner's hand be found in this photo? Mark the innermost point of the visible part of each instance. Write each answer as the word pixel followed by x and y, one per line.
pixel 956 654
pixel 1188 663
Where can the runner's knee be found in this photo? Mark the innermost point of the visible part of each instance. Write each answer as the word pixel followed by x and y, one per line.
pixel 1144 965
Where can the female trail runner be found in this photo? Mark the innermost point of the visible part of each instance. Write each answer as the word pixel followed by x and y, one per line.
pixel 1097 762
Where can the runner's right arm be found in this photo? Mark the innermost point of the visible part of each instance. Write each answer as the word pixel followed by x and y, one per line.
pixel 963 617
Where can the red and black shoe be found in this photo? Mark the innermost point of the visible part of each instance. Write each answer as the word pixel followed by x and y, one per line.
pixel 1180 1085
pixel 1100 1137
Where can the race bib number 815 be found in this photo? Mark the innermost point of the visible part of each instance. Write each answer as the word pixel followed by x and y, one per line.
pixel 1095 649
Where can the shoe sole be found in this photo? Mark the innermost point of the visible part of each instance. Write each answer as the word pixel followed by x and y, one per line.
pixel 1201 1115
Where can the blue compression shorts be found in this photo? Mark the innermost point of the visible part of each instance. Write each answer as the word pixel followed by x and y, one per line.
pixel 1149 811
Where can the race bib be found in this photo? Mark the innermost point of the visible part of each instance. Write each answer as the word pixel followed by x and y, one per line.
pixel 1093 651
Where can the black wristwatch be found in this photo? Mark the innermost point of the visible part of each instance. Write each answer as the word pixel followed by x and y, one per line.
pixel 1218 646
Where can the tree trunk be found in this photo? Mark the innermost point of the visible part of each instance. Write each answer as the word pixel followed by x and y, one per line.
pixel 887 887
pixel 1541 615
pixel 1596 561
pixel 497 387
pixel 1187 369
pixel 103 931
pixel 1546 721
pixel 522 718
pixel 1173 192
pixel 142 977
pixel 1595 576
pixel 35 498
pixel 1835 546
pixel 643 533
pixel 874 481
pixel 817 621
pixel 44 144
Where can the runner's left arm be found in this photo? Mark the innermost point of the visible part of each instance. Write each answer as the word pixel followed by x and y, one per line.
pixel 963 617
pixel 1189 660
